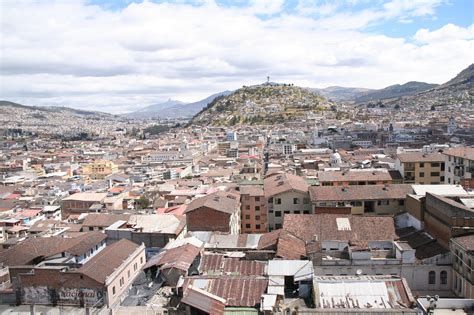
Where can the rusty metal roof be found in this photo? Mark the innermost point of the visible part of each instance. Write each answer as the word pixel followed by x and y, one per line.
pixel 216 264
pixel 204 301
pixel 244 291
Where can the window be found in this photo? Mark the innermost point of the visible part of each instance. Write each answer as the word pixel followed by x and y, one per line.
pixel 422 174
pixel 257 208
pixel 287 211
pixel 296 212
pixel 91 228
pixel 248 226
pixel 443 277
pixel 121 282
pixel 401 202
pixel 434 164
pixel 257 217
pixel 247 207
pixel 277 213
pixel 382 202
pixel 247 217
pixel 135 267
pixel 305 212
pixel 434 174
pixel 296 201
pixel 113 290
pixel 278 201
pixel 278 226
pixel 141 260
pixel 305 201
pixel 257 198
pixel 257 226
pixel 422 164
pixel 431 277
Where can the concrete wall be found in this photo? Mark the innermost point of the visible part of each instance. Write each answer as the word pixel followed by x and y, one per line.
pixel 122 278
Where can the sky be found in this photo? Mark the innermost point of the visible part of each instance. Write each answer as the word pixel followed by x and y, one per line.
pixel 120 55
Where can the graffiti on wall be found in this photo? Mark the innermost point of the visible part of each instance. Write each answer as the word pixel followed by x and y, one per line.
pixel 36 295
pixel 62 296
pixel 75 296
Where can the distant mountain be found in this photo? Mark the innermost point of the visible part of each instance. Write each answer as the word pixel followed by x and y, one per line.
pixel 266 103
pixel 173 109
pixel 339 93
pixel 153 110
pixel 394 91
pixel 55 109
pixel 456 93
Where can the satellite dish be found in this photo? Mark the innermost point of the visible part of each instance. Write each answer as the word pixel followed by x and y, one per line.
pixel 358 272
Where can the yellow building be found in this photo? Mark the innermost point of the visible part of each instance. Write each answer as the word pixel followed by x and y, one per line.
pixel 100 169
pixel 421 168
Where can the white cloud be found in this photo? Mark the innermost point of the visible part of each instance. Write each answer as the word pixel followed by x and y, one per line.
pixel 449 32
pixel 69 53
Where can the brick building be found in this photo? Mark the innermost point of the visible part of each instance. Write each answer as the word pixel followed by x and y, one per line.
pixel 101 281
pixel 81 203
pixel 219 211
pixel 447 217
pixel 253 209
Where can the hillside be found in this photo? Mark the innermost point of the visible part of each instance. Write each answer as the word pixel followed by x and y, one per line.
pixel 54 120
pixel 262 104
pixel 5 105
pixel 456 93
pixel 393 91
pixel 173 109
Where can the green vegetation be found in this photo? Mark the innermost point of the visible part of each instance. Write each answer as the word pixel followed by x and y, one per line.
pixel 156 129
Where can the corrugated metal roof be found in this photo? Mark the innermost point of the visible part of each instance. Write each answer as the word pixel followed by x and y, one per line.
pixel 204 301
pixel 240 311
pixel 215 264
pixel 238 291
pixel 300 269
pixel 368 292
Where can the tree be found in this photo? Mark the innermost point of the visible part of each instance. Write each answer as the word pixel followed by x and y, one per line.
pixel 143 203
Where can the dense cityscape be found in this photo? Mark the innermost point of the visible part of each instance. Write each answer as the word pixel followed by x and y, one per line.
pixel 269 197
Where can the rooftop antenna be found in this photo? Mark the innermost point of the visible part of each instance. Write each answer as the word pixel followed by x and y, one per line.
pixel 268 79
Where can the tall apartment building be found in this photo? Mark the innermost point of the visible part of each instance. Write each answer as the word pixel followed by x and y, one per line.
pixel 285 194
pixel 460 166
pixel 253 209
pixel 462 249
pixel 421 168
pixel 100 169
